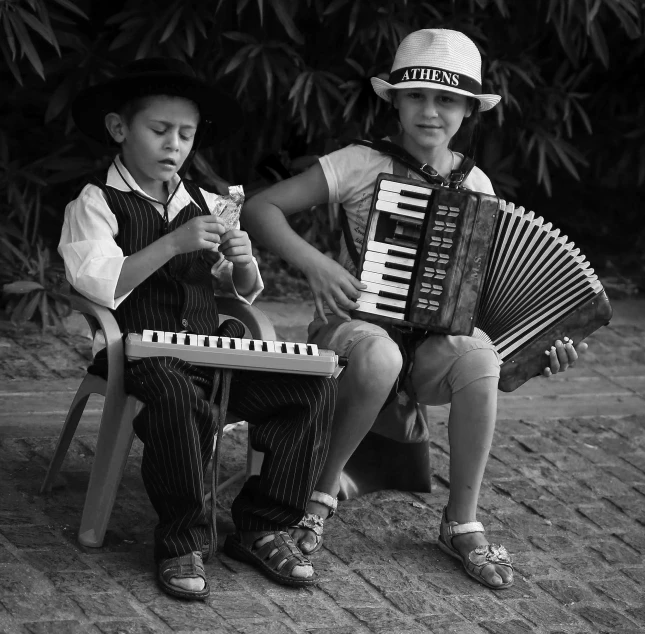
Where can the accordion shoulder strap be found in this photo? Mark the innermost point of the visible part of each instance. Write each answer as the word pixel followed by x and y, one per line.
pixel 403 161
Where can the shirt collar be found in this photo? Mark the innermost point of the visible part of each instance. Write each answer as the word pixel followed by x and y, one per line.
pixel 118 177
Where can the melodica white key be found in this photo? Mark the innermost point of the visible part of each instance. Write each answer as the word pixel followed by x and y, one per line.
pixel 238 354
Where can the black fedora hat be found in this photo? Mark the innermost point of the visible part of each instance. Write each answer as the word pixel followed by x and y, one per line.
pixel 220 114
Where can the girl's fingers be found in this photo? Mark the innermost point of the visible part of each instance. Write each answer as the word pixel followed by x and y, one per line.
pixel 320 309
pixel 331 302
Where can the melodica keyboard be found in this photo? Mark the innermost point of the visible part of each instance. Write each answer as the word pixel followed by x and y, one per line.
pixel 238 354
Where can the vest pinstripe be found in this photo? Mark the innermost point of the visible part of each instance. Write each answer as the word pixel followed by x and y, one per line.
pixel 178 296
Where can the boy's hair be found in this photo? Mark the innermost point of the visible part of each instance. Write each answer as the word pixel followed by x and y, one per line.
pixel 132 107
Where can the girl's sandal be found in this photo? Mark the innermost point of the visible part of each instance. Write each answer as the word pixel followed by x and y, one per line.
pixel 315 523
pixel 188 566
pixel 276 558
pixel 478 558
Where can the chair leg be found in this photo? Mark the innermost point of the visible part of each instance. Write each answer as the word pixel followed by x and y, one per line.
pixel 90 385
pixel 112 450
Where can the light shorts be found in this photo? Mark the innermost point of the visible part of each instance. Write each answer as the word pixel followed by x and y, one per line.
pixel 443 364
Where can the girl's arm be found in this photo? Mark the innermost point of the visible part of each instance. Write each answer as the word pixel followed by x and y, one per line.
pixel 264 215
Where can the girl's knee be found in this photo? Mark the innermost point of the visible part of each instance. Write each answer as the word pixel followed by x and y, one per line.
pixel 376 361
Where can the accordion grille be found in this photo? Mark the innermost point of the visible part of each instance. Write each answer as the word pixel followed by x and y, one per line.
pixel 534 278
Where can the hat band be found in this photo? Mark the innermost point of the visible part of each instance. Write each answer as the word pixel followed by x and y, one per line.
pixel 436 76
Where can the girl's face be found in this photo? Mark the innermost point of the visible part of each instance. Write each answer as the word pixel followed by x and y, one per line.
pixel 157 139
pixel 430 117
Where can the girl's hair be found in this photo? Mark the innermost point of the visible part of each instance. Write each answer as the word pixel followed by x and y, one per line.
pixel 465 141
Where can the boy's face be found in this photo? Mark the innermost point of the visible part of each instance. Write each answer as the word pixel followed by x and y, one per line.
pixel 157 139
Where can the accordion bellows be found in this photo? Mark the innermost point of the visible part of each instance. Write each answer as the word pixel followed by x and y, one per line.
pixel 460 262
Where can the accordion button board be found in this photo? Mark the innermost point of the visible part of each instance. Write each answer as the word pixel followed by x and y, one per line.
pixel 459 262
pixel 425 254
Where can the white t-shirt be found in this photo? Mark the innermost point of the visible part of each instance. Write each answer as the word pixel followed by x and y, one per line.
pixel 351 174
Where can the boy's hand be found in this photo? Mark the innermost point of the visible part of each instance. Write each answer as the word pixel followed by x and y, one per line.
pixel 333 285
pixel 202 232
pixel 563 355
pixel 236 247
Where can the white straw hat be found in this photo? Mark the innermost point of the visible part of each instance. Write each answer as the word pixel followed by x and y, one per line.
pixel 440 59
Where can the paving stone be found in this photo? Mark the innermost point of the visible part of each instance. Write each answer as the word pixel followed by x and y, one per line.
pixel 30 537
pixel 638 614
pixel 55 559
pixel 508 627
pixel 605 618
pixel 635 574
pixel 581 564
pixel 551 543
pixel 105 605
pixel 615 553
pixel 567 461
pixel 453 584
pixel 538 444
pixel 389 578
pixel 577 527
pixel 269 627
pixel 565 591
pixel 428 558
pixel 186 616
pixel 519 489
pixel 18 579
pixel 126 627
pixel 535 564
pixel 602 516
pixel 619 590
pixel 476 609
pixel 81 582
pixel 571 494
pixel 549 508
pixel 6 556
pixel 545 613
pixel 449 624
pixel 312 612
pixel 24 608
pixel 349 591
pixel 384 621
pixel 142 588
pixel 58 627
pixel 238 605
pixel 417 603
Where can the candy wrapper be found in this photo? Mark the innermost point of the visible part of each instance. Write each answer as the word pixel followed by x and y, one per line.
pixel 228 208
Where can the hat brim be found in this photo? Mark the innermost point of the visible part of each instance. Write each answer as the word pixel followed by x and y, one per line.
pixel 218 109
pixel 382 89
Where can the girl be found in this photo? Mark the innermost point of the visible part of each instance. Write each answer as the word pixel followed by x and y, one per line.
pixel 435 86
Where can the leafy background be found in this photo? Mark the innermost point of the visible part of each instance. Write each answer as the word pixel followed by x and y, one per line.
pixel 567 141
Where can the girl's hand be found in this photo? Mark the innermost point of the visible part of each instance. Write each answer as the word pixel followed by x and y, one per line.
pixel 202 232
pixel 333 285
pixel 236 248
pixel 563 355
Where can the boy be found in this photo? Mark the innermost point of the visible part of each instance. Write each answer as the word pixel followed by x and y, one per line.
pixel 143 243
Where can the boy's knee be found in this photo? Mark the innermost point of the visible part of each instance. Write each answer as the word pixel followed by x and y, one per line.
pixel 478 368
pixel 376 362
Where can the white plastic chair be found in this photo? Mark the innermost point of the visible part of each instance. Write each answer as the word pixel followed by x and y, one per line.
pixel 115 431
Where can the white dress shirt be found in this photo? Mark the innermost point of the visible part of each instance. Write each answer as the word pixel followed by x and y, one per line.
pixel 93 260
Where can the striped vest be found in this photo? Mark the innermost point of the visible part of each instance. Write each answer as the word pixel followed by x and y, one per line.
pixel 179 295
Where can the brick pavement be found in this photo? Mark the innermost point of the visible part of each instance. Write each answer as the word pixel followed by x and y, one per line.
pixel 564 491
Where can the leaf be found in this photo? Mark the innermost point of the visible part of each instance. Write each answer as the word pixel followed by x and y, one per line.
pixel 70 6
pixel 287 22
pixel 334 6
pixel 26 45
pixel 31 306
pixel 22 287
pixel 171 26
pixel 41 29
pixel 8 57
pixel 261 10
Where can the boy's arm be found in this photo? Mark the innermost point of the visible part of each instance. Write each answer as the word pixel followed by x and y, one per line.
pixel 264 215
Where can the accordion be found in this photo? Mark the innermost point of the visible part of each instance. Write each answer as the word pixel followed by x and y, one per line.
pixel 459 262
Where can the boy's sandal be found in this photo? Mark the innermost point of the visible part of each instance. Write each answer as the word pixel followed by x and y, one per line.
pixel 315 523
pixel 276 558
pixel 189 566
pixel 478 558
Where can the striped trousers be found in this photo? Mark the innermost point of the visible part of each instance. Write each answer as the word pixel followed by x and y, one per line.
pixel 291 417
